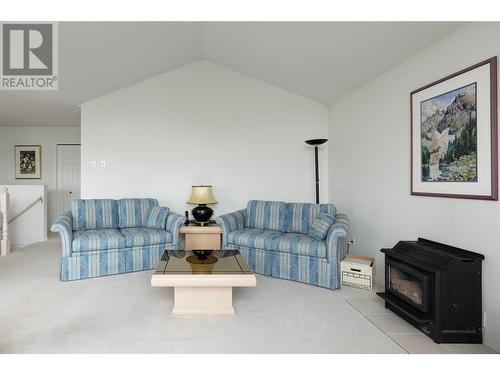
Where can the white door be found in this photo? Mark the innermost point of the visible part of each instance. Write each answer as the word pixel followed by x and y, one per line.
pixel 68 176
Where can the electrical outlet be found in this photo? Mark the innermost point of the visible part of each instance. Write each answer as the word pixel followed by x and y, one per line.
pixel 94 163
pixel 350 244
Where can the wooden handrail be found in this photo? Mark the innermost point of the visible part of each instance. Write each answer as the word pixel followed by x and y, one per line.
pixel 40 198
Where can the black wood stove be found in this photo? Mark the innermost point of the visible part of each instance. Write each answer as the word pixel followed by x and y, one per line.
pixel 436 288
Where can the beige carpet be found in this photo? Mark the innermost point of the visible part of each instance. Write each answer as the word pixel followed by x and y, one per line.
pixel 124 314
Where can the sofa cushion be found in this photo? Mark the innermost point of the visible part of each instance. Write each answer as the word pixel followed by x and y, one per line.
pixel 301 215
pixel 156 218
pixel 94 214
pixel 95 240
pixel 132 211
pixel 145 236
pixel 249 237
pixel 297 243
pixel 266 215
pixel 320 226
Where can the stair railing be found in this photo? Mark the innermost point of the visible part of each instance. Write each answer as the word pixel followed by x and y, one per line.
pixel 4 239
pixel 4 204
pixel 39 199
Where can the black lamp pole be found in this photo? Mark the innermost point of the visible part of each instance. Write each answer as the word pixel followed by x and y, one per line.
pixel 316 143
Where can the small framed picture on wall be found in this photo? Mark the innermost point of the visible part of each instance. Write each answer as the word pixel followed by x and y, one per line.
pixel 28 161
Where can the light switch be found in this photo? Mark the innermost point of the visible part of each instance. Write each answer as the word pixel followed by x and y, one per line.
pixel 94 163
pixel 102 181
pixel 103 163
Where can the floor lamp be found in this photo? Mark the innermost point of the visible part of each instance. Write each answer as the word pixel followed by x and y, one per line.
pixel 316 143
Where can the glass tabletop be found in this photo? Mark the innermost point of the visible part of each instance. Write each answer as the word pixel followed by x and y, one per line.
pixel 202 262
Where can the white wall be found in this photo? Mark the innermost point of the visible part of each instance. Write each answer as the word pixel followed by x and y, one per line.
pixel 202 124
pixel 48 137
pixel 370 166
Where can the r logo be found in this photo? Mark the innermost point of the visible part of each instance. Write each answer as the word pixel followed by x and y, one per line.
pixel 28 56
pixel 27 49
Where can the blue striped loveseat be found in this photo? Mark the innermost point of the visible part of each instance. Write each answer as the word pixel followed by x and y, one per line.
pixel 103 237
pixel 274 239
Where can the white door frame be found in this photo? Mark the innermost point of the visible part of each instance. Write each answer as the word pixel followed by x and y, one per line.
pixel 58 203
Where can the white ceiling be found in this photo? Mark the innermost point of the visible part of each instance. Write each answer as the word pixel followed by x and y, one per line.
pixel 96 58
pixel 321 61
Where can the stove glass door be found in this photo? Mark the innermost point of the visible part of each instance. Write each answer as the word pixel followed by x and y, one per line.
pixel 408 283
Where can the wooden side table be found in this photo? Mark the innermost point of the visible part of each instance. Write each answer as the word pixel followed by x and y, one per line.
pixel 207 237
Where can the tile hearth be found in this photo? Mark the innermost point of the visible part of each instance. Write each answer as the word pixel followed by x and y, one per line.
pixel 405 335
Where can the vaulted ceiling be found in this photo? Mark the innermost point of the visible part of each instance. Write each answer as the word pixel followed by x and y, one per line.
pixel 319 60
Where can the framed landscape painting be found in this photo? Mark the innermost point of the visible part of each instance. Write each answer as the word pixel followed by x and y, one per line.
pixel 28 161
pixel 454 135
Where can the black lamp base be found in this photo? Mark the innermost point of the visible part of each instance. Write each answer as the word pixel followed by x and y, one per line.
pixel 202 214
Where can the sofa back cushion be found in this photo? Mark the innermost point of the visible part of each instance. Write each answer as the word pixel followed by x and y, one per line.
pixel 156 218
pixel 94 214
pixel 267 215
pixel 132 212
pixel 301 215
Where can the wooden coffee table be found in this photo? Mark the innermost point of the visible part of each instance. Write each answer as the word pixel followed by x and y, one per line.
pixel 203 286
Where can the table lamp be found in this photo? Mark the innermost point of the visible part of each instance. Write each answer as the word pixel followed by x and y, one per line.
pixel 202 195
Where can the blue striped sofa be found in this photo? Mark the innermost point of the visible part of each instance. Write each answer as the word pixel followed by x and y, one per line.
pixel 103 237
pixel 273 238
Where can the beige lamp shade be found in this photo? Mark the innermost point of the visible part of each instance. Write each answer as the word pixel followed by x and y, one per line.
pixel 201 195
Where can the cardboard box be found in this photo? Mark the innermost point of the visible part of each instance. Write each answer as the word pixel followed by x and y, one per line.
pixel 357 272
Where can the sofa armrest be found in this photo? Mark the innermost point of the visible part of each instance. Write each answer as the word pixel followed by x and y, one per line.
pixel 174 223
pixel 336 239
pixel 64 226
pixel 231 222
